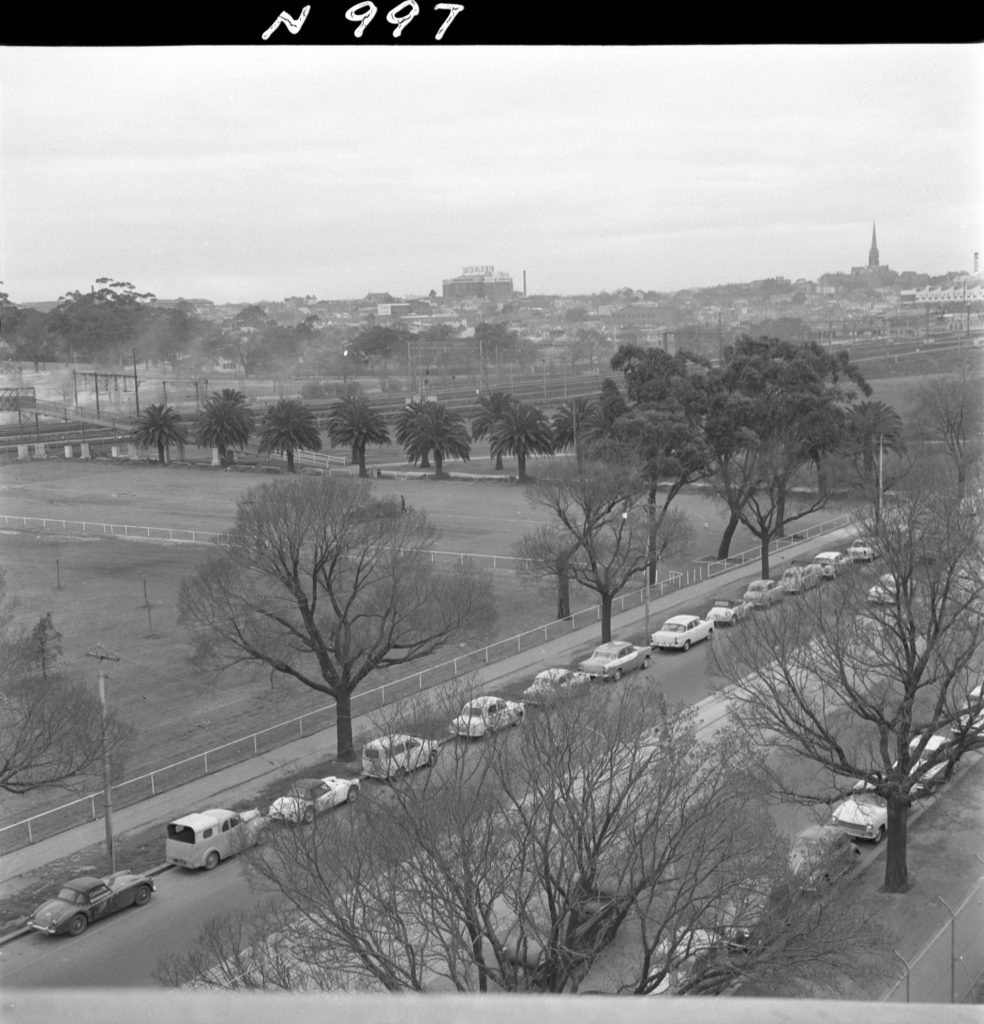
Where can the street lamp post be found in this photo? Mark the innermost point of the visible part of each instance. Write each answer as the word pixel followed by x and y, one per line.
pixel 103 655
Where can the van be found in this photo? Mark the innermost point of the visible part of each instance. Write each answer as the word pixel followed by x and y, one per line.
pixel 203 839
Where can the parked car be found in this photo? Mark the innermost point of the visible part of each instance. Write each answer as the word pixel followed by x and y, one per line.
pixel 486 714
pixel 681 632
pixel 398 754
pixel 862 551
pixel 553 683
pixel 820 854
pixel 831 563
pixel 203 839
pixel 726 611
pixel 798 578
pixel 864 816
pixel 764 593
pixel 610 660
pixel 309 797
pixel 883 592
pixel 83 900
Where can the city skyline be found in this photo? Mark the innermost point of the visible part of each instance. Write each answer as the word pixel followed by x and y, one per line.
pixel 250 174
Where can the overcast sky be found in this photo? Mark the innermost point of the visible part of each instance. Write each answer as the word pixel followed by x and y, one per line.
pixel 251 173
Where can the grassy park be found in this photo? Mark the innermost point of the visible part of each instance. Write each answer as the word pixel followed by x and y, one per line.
pixel 98 588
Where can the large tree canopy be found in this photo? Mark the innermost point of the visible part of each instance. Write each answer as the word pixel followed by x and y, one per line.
pixel 324 584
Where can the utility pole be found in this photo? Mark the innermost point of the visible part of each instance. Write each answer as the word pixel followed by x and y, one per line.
pixel 103 655
pixel 136 383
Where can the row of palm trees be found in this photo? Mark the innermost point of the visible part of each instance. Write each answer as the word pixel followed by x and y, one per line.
pixel 426 430
pixel 226 423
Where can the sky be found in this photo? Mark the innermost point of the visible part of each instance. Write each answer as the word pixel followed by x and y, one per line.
pixel 246 173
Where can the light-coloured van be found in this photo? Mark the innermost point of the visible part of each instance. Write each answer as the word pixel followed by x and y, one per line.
pixel 203 839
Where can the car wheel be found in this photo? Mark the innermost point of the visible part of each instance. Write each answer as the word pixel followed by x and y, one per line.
pixel 432 758
pixel 308 816
pixel 686 645
pixel 617 675
pixel 78 924
pixel 141 896
pixel 353 794
pixel 211 861
pixel 710 633
pixel 645 663
pixel 880 834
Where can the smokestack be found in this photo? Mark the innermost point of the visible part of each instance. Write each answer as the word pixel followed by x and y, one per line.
pixel 976 255
pixel 524 274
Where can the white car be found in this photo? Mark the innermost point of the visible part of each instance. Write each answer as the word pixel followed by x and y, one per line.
pixel 681 632
pixel 398 754
pixel 552 683
pixel 726 611
pixel 310 796
pixel 798 578
pixel 820 854
pixel 864 816
pixel 483 715
pixel 831 562
pixel 610 660
pixel 883 592
pixel 764 593
pixel 862 551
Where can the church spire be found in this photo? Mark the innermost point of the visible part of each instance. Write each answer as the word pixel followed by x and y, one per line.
pixel 873 253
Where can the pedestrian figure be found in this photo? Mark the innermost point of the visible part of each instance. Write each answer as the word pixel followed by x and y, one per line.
pixel 403 503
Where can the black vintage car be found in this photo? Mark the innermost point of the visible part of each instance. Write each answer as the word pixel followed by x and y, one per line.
pixel 86 899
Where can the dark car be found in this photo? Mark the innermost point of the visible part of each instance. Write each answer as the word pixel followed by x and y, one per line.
pixel 83 900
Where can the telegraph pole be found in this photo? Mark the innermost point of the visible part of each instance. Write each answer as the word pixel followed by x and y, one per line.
pixel 102 654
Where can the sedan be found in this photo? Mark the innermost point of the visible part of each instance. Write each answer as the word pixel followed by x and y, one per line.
pixel 310 796
pixel 86 899
pixel 682 631
pixel 764 593
pixel 862 551
pixel 821 854
pixel 484 715
pixel 883 592
pixel 554 683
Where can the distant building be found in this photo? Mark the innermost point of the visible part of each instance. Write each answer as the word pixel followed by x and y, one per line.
pixel 874 273
pixel 480 282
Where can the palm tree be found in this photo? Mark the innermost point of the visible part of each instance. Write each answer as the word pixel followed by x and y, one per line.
pixel 225 422
pixel 405 430
pixel 488 411
pixel 352 421
pixel 434 427
pixel 288 425
pixel 573 426
pixel 522 430
pixel 872 426
pixel 158 427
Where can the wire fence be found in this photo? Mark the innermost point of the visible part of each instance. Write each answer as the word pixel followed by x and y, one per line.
pixel 47 823
pixel 949 965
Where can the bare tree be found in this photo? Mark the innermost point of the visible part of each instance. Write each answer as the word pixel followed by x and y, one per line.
pixel 859 688
pixel 515 863
pixel 950 410
pixel 591 538
pixel 324 584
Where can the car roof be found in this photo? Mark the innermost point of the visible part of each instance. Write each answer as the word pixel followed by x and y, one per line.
pixel 681 619
pixel 197 820
pixel 828 554
pixel 395 737
pixel 483 701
